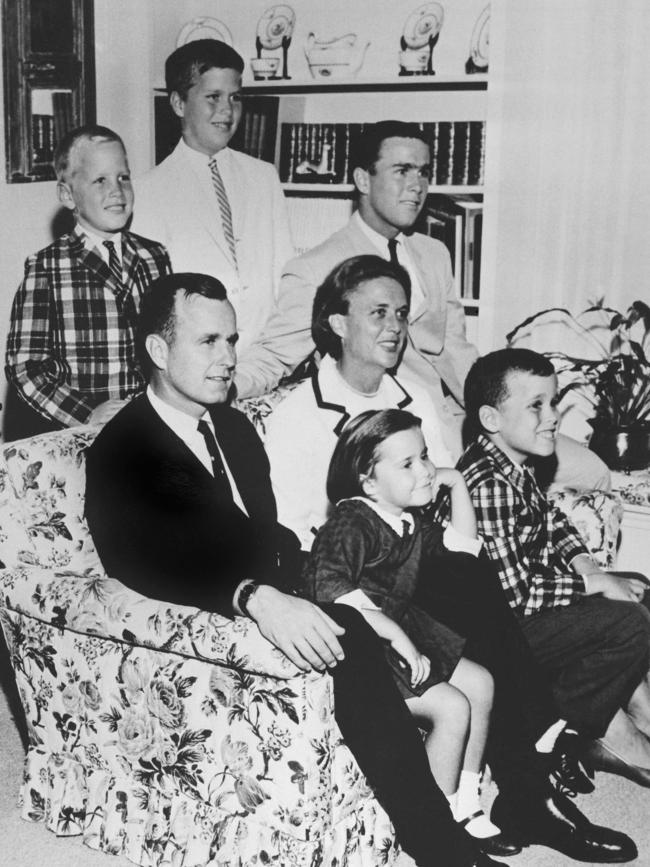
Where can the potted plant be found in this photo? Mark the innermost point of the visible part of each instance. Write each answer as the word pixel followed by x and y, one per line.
pixel 616 383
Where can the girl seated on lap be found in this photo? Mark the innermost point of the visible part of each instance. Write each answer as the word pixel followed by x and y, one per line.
pixel 368 555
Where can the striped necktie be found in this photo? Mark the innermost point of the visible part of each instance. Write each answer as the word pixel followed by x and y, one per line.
pixel 113 262
pixel 123 298
pixel 224 208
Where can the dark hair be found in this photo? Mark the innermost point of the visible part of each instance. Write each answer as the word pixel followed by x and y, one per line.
pixel 487 381
pixel 374 135
pixel 157 306
pixel 187 63
pixel 356 450
pixel 89 132
pixel 333 295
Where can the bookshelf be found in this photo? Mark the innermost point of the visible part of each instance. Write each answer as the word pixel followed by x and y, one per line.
pixel 440 104
pixel 49 80
pixel 319 206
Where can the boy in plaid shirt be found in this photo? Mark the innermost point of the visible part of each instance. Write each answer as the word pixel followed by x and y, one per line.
pixel 584 624
pixel 71 352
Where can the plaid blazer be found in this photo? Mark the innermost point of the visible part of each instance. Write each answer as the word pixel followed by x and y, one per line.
pixel 529 540
pixel 71 343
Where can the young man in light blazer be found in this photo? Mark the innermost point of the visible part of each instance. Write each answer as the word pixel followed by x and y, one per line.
pixel 217 211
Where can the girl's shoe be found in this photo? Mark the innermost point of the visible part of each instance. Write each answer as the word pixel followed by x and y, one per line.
pixel 498 844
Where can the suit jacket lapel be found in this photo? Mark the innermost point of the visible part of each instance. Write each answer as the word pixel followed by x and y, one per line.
pixel 420 273
pixel 92 261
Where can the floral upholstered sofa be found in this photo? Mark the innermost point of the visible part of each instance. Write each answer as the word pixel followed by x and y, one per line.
pixel 159 732
pixel 163 733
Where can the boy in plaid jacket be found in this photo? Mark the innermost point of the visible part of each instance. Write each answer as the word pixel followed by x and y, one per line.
pixel 71 351
pixel 584 624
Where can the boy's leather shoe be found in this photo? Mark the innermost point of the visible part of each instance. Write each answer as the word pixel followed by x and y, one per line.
pixel 570 775
pixel 556 822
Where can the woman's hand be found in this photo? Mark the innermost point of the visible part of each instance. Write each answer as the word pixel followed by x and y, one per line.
pixel 419 665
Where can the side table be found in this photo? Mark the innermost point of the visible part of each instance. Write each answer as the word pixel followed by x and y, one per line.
pixel 634 490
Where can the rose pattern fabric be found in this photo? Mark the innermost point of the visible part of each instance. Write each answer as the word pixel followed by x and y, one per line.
pixel 162 733
pixel 597 515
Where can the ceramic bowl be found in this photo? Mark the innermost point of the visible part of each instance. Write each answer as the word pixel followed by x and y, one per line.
pixel 264 67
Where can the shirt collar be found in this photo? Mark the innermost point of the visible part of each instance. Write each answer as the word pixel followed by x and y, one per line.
pixel 93 241
pixel 395 522
pixel 377 240
pixel 199 160
pixel 180 422
pixel 507 466
pixel 333 387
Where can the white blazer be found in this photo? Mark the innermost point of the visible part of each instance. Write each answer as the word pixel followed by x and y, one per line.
pixel 172 206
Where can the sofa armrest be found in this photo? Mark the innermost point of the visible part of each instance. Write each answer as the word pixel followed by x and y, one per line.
pixel 92 603
pixel 597 515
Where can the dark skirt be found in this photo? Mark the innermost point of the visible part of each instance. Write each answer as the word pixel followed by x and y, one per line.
pixel 434 640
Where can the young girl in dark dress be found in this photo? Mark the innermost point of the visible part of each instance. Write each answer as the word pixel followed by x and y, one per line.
pixel 368 555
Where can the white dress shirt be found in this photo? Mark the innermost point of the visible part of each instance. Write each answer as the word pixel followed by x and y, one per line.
pixel 381 243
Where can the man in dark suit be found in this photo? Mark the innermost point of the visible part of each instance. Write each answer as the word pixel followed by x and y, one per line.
pixel 71 355
pixel 179 504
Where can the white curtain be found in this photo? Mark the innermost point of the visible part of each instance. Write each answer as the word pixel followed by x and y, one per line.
pixel 568 170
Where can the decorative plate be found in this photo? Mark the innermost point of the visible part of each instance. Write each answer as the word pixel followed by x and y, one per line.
pixel 276 23
pixel 422 24
pixel 479 47
pixel 204 28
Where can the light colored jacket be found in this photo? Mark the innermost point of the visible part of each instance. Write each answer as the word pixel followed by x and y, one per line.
pixel 303 430
pixel 173 207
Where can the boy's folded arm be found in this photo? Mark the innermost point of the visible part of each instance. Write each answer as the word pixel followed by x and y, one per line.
pixel 42 385
pixel 30 365
pixel 566 540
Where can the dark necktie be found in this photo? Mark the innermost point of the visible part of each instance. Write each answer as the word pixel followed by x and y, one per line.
pixel 220 476
pixel 224 208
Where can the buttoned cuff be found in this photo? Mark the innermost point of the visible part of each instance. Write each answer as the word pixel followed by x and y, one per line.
pixel 456 541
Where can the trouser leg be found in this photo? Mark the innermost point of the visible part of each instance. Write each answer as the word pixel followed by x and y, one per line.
pixel 380 732
pixel 466 595
pixel 595 652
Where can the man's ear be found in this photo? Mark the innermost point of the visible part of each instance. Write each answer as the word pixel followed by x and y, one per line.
pixel 64 192
pixel 489 418
pixel 362 180
pixel 158 350
pixel 177 104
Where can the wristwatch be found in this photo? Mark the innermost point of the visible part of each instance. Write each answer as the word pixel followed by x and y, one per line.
pixel 245 595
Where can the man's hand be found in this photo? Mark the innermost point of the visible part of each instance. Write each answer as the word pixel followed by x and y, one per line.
pixel 297 627
pixel 105 411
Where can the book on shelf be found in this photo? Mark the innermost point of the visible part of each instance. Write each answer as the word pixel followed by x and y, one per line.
pixel 257 128
pixel 328 152
pixel 457 221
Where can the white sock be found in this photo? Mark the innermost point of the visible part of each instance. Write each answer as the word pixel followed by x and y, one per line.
pixel 469 803
pixel 547 741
